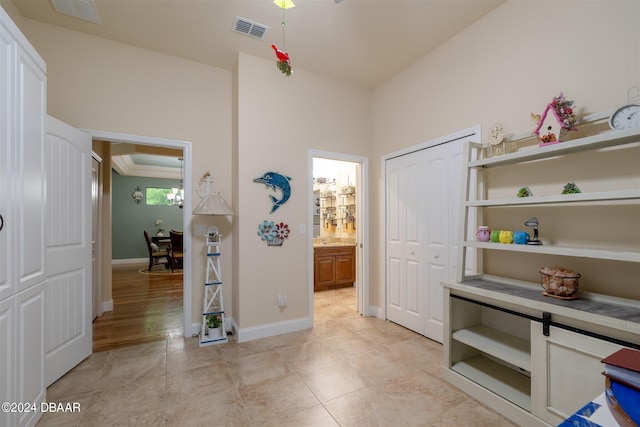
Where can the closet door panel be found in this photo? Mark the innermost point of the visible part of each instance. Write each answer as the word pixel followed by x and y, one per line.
pixel 437 193
pixel 405 240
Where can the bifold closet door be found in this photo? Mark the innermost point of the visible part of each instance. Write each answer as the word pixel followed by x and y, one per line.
pixel 443 168
pixel 422 209
pixel 405 240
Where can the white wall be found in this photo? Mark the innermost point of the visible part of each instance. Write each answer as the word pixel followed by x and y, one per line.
pixel 508 64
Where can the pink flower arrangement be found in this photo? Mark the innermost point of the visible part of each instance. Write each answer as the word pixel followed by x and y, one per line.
pixel 564 109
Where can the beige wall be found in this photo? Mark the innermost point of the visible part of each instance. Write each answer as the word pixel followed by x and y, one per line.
pixel 499 70
pixel 279 120
pixel 98 84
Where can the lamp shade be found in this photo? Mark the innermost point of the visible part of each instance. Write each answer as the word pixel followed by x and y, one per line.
pixel 213 204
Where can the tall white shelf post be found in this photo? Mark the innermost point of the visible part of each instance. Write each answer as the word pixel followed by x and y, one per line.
pixel 213 305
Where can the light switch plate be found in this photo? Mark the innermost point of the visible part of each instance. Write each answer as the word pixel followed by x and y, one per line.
pixel 201 230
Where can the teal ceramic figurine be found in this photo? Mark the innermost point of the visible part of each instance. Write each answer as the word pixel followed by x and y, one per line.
pixel 520 237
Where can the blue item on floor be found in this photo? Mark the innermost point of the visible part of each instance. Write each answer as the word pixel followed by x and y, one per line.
pixel 628 399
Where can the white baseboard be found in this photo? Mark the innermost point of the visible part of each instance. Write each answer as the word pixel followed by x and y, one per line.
pixel 273 329
pixel 377 312
pixel 107 305
pixel 129 261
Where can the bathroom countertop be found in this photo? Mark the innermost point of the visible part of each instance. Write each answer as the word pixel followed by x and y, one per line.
pixel 332 245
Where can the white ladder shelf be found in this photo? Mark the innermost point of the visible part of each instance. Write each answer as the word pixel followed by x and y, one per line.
pixel 213 306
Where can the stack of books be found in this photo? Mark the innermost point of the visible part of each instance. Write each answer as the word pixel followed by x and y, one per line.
pixel 622 372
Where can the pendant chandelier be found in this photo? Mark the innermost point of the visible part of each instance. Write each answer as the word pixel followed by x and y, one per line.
pixel 176 196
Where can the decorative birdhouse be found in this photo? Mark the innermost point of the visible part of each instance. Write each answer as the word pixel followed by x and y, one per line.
pixel 550 127
pixel 555 121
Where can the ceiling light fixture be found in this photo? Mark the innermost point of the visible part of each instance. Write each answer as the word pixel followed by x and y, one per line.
pixel 176 197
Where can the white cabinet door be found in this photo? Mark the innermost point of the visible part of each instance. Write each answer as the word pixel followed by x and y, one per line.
pixel 29 362
pixel 7 357
pixel 566 371
pixel 30 192
pixel 405 240
pixel 7 258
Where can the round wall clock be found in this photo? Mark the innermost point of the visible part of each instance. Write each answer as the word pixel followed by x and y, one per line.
pixel 496 136
pixel 625 117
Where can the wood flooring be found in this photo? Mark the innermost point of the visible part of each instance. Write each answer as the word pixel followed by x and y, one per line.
pixel 145 309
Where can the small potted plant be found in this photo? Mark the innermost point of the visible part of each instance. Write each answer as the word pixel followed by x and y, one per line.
pixel 214 326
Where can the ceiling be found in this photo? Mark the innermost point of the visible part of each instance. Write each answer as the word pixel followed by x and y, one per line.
pixel 362 42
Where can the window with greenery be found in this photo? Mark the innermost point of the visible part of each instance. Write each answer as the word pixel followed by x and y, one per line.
pixel 158 196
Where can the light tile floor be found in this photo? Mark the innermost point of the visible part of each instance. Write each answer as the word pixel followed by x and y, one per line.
pixel 346 371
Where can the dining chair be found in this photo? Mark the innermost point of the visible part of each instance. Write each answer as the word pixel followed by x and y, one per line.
pixel 155 253
pixel 175 250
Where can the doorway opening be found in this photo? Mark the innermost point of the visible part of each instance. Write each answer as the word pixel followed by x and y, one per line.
pixel 105 261
pixel 338 255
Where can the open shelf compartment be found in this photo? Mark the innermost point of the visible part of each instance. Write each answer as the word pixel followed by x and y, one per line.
pixel 505 382
pixel 509 348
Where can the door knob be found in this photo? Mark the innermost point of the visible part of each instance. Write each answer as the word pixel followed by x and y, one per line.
pixel 1 222
pixel 436 256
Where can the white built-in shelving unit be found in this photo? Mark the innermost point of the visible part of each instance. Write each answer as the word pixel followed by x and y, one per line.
pixel 533 358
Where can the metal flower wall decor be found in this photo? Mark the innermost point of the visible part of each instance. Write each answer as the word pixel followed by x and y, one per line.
pixel 274 234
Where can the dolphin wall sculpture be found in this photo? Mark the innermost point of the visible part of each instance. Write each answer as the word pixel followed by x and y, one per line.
pixel 276 181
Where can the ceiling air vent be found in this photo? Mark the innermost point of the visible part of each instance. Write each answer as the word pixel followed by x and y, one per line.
pixel 81 9
pixel 250 28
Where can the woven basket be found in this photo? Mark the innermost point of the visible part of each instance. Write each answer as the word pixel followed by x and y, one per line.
pixel 564 285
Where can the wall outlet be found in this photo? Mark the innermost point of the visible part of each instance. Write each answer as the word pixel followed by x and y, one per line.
pixel 282 300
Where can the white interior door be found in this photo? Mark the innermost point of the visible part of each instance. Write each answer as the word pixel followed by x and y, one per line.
pixel 68 333
pixel 405 240
pixel 96 191
pixel 438 222
pixel 443 168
